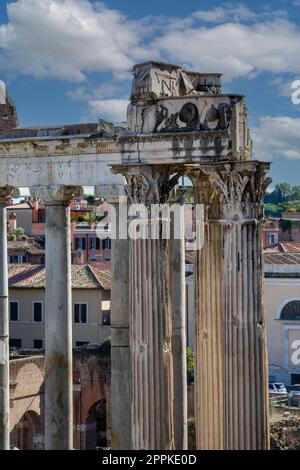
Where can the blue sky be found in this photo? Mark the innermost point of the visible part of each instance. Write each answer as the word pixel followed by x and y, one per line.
pixel 68 61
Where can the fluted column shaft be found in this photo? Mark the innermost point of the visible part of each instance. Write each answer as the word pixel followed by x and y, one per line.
pixel 246 373
pixel 150 314
pixel 150 339
pixel 178 303
pixel 209 390
pixel 231 370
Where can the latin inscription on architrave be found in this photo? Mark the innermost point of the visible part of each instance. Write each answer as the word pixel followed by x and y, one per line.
pixel 69 170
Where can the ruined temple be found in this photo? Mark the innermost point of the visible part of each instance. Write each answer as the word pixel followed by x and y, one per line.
pixel 180 124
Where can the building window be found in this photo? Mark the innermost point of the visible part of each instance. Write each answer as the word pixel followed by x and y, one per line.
pixel 37 311
pixel 15 343
pixel 80 243
pixel 41 218
pixel 17 259
pixel 107 244
pixel 14 311
pixel 81 343
pixel 80 313
pixel 273 239
pixel 295 379
pixel 95 243
pixel 291 311
pixel 38 344
pixel 105 307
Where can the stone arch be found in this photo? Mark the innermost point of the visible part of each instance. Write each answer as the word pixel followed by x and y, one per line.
pixel 95 435
pixel 28 432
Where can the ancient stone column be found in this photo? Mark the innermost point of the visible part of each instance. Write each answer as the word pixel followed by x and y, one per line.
pixel 231 366
pixel 58 317
pixel 120 352
pixel 150 313
pixel 6 193
pixel 178 299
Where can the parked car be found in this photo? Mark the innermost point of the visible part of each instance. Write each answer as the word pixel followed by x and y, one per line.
pixel 277 388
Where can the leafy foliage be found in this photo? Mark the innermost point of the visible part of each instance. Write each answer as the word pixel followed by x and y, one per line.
pixel 190 361
pixel 283 192
pixel 18 233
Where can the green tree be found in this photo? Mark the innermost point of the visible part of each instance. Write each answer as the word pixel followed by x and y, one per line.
pixel 89 198
pixel 295 196
pixel 285 190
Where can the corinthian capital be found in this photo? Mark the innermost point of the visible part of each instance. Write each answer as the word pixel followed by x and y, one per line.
pixel 231 192
pixel 56 194
pixel 7 193
pixel 147 184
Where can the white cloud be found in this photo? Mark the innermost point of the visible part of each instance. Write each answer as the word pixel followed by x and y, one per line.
pixel 66 38
pixel 110 109
pixel 226 13
pixel 101 101
pixel 284 86
pixel 277 138
pixel 235 49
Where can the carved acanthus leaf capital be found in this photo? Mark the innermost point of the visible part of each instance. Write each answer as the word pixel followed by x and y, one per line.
pixel 7 193
pixel 147 184
pixel 231 193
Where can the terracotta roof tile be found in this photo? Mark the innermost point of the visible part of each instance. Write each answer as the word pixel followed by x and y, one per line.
pixel 20 205
pixel 284 247
pixel 33 276
pixel 282 258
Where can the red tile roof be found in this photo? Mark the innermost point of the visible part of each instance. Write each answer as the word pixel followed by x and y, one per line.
pixel 20 205
pixel 33 276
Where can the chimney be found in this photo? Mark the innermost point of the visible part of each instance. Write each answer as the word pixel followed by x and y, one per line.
pixel 35 203
pixel 12 221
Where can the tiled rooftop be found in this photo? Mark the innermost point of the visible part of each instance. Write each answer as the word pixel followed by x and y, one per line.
pixel 21 205
pixel 284 247
pixel 282 258
pixel 33 276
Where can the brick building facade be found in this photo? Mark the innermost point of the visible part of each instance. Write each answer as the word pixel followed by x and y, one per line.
pixel 91 392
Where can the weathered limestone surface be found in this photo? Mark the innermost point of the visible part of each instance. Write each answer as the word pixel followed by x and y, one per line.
pixel 120 308
pixel 178 304
pixel 6 194
pixel 150 318
pixel 179 123
pixel 231 377
pixel 58 317
pixel 8 114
